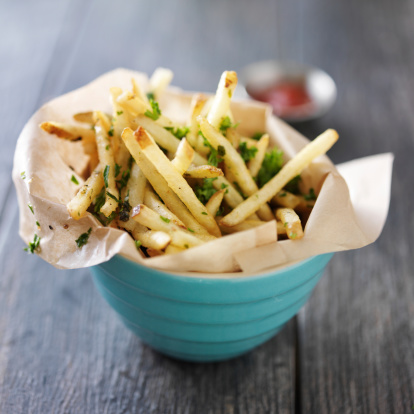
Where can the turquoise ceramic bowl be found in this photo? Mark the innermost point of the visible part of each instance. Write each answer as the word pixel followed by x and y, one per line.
pixel 199 317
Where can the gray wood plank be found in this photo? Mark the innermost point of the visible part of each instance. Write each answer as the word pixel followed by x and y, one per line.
pixel 356 334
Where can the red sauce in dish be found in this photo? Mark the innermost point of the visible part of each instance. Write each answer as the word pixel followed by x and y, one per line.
pixel 288 98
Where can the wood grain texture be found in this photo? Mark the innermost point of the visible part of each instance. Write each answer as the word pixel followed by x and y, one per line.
pixel 356 334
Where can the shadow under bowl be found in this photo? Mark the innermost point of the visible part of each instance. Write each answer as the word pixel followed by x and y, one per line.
pixel 202 317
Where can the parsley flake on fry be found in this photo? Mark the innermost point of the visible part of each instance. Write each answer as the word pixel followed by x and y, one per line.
pixel 247 153
pixel 156 111
pixel 106 175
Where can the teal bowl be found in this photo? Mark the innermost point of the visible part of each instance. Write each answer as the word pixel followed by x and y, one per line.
pixel 203 318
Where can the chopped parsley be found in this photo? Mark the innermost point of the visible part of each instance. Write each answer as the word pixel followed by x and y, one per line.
pixel 247 153
pixel 167 220
pixel 156 111
pixel 23 175
pixel 99 201
pixel 282 194
pixel 293 235
pixel 34 245
pixel 107 147
pixel 204 213
pixel 112 196
pixel 109 219
pixel 256 136
pixel 37 224
pixel 293 185
pixel 186 246
pixel 74 180
pixel 138 244
pixel 310 196
pixel 192 231
pixel 216 155
pixel 83 238
pixel 225 124
pixel 117 169
pixel 151 96
pixel 111 131
pixel 31 208
pixel 122 182
pixel 125 209
pixel 205 191
pixel 272 163
pixel 119 112
pixel 179 132
pixel 224 186
pixel 106 175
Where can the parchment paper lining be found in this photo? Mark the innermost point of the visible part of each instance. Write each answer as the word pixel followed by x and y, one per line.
pixel 350 211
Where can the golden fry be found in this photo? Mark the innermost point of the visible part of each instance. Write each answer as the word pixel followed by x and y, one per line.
pixel 292 168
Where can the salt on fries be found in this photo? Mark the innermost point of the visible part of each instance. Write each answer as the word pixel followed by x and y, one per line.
pixel 174 187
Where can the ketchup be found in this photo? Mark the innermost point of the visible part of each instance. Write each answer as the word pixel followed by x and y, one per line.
pixel 288 98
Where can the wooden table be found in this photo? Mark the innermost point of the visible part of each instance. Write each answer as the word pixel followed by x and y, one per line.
pixel 350 350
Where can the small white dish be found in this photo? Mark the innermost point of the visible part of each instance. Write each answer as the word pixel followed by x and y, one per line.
pixel 296 92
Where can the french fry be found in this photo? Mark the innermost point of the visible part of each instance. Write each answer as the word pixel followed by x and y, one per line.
pixel 180 237
pixel 214 203
pixel 132 104
pixel 203 171
pixel 159 80
pixel 244 225
pixel 136 90
pixel 69 132
pixel 106 159
pixel 160 185
pixel 291 222
pixel 157 240
pixel 168 141
pixel 121 120
pixel 193 138
pixel 234 137
pixel 152 201
pixel 255 163
pixel 305 205
pixel 171 249
pixel 281 229
pixel 90 189
pixel 176 181
pixel 285 199
pixel 154 252
pixel 235 163
pixel 221 102
pixel 85 117
pixel 135 188
pixel 183 157
pixel 292 168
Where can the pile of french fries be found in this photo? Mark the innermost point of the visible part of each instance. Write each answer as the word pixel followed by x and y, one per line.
pixel 173 187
